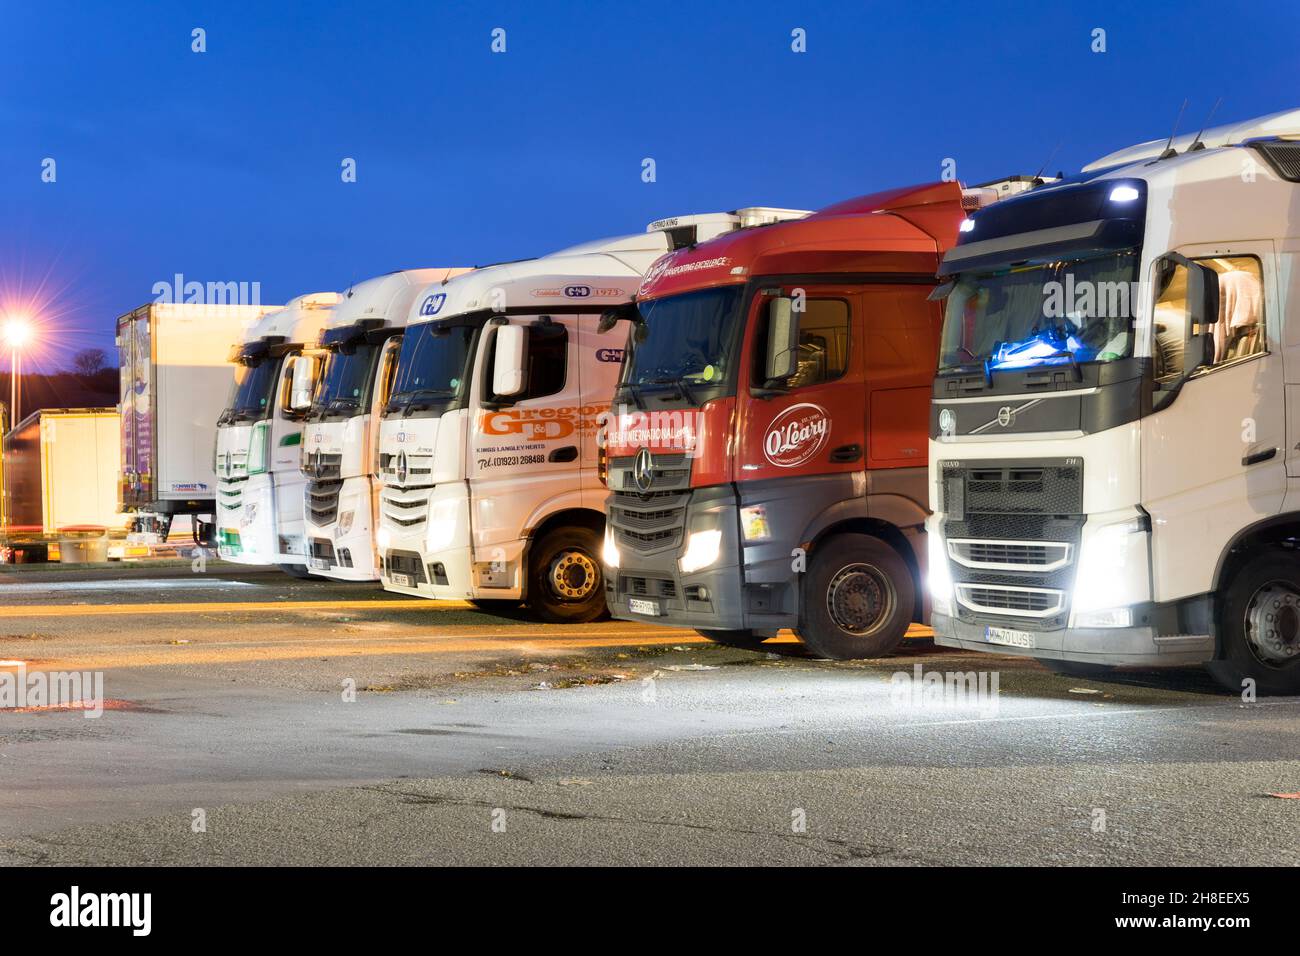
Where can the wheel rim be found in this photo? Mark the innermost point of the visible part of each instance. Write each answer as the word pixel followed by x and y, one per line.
pixel 859 598
pixel 1272 624
pixel 573 576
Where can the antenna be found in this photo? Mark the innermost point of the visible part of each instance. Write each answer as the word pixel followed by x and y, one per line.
pixel 1169 146
pixel 1196 143
pixel 1055 150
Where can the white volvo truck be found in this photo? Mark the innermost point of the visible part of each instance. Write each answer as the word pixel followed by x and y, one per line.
pixel 488 443
pixel 338 444
pixel 259 435
pixel 1115 424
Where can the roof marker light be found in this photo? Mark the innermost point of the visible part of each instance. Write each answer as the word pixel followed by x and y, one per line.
pixel 1123 194
pixel 967 225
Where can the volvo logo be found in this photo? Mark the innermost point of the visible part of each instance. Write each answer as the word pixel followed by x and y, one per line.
pixel 1006 416
pixel 643 470
pixel 401 468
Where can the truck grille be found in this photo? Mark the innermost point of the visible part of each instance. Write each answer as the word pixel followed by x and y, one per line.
pixel 322 465
pixel 419 468
pixel 654 519
pixel 1012 531
pixel 323 501
pixel 403 509
pixel 230 495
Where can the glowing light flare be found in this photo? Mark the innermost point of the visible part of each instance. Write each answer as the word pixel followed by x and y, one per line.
pixel 18 332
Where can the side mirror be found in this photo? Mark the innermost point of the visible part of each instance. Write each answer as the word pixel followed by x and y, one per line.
pixel 782 339
pixel 1202 316
pixel 509 373
pixel 302 381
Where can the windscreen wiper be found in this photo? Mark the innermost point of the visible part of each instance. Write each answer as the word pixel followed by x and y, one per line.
pixel 679 383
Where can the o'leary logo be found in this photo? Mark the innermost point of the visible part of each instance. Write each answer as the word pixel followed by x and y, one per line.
pixel 433 304
pixel 609 355
pixel 796 435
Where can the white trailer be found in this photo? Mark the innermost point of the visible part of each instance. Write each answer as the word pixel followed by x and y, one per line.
pixel 1115 427
pixel 260 484
pixel 174 384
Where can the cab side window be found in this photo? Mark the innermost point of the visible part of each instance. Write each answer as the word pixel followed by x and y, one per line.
pixel 1239 332
pixel 548 363
pixel 823 344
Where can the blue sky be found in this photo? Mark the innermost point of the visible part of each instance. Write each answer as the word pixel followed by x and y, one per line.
pixel 225 165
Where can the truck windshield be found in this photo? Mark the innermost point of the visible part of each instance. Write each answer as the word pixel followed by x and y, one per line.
pixel 433 364
pixel 344 380
pixel 1055 313
pixel 251 395
pixel 686 339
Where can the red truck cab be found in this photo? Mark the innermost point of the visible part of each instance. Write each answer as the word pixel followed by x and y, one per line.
pixel 766 454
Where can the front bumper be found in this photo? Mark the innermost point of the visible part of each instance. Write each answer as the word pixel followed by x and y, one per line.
pixel 256 524
pixel 1107 646
pixel 431 555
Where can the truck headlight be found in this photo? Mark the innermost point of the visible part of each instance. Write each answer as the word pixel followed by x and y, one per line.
pixel 609 551
pixel 345 522
pixel 938 579
pixel 442 525
pixel 702 549
pixel 258 445
pixel 1108 559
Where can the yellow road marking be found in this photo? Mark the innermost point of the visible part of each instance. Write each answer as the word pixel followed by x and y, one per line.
pixel 216 607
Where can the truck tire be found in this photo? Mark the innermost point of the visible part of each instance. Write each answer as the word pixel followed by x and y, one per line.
pixel 746 639
pixel 858 597
pixel 298 571
pixel 1259 626
pixel 565 585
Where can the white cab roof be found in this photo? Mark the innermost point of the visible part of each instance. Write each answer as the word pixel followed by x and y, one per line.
pixel 387 297
pixel 1285 124
pixel 299 322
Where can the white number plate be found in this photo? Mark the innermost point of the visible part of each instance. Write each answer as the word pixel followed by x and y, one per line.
pixel 320 564
pixel 402 580
pixel 637 606
pixel 1008 636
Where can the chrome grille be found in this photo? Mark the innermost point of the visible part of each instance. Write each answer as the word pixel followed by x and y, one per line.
pixel 319 464
pixel 1015 601
pixel 1009 555
pixel 654 519
pixel 323 501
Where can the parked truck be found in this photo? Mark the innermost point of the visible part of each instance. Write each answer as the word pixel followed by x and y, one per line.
pixel 174 383
pixel 340 434
pixel 1115 421
pixel 488 442
pixel 766 465
pixel 60 476
pixel 260 485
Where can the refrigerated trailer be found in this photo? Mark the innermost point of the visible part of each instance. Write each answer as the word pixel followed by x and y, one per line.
pixel 1115 421
pixel 766 465
pixel 260 485
pixel 174 381
pixel 488 436
pixel 60 475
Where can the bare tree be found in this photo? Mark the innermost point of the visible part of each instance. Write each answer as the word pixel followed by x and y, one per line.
pixel 88 362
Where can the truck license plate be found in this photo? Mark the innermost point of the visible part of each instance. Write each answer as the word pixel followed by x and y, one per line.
pixel 402 580
pixel 1008 636
pixel 319 564
pixel 637 606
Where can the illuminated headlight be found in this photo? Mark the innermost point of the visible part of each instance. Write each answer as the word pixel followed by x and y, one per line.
pixel 967 225
pixel 1123 194
pixel 1110 560
pixel 383 539
pixel 938 580
pixel 345 522
pixel 442 525
pixel 1109 617
pixel 609 551
pixel 702 549
pixel 753 523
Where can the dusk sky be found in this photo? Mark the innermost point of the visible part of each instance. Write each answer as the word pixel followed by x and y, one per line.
pixel 225 165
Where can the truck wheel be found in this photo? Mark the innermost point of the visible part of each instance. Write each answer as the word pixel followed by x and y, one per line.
pixel 858 598
pixel 564 580
pixel 298 571
pixel 746 639
pixel 1260 626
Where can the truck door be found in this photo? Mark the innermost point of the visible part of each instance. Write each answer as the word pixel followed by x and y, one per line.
pixel 600 360
pixel 525 451
pixel 1214 461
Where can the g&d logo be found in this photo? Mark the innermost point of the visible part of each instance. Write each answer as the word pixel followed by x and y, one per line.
pixel 643 470
pixel 796 435
pixel 433 304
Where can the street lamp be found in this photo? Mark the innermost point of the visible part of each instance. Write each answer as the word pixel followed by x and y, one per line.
pixel 18 332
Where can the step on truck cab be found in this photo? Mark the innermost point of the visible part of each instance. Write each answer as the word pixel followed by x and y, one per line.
pixel 766 462
pixel 259 437
pixel 340 434
pixel 488 442
pixel 1115 422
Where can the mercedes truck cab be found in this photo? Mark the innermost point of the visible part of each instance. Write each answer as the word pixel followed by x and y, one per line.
pixel 338 445
pixel 1115 419
pixel 259 485
pixel 488 441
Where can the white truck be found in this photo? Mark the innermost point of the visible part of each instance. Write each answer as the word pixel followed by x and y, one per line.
pixel 260 485
pixel 1115 420
pixel 174 382
pixel 488 438
pixel 339 435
